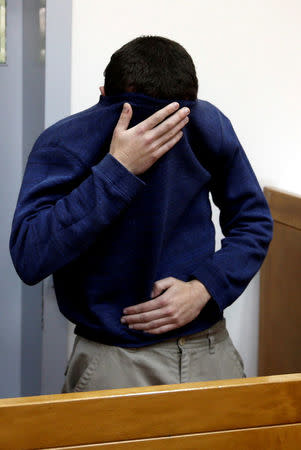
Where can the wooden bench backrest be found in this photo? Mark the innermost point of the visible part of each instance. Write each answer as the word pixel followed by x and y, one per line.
pixel 280 289
pixel 250 413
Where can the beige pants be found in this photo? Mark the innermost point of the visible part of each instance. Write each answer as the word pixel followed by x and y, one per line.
pixel 207 355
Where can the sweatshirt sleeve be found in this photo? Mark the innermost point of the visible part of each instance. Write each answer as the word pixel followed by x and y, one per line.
pixel 63 206
pixel 245 221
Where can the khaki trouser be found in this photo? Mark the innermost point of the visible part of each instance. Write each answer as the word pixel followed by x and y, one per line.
pixel 203 356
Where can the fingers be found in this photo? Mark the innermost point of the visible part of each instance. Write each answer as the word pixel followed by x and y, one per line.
pixel 172 133
pixel 169 124
pixel 145 306
pixel 158 302
pixel 168 145
pixel 125 117
pixel 152 324
pixel 164 284
pixel 158 116
pixel 152 121
pixel 143 320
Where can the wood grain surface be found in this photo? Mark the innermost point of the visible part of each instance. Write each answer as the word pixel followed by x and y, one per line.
pixel 187 412
pixel 280 289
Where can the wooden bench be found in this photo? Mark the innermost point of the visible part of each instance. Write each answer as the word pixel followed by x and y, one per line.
pixel 250 413
pixel 280 289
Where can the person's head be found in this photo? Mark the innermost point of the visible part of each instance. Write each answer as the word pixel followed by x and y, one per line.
pixel 154 66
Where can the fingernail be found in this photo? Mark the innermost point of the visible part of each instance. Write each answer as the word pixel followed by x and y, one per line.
pixel 122 320
pixel 125 107
pixel 175 105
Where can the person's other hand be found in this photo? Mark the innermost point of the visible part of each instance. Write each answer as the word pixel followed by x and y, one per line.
pixel 179 304
pixel 139 147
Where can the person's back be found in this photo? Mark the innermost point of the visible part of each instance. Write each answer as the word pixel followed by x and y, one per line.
pixel 109 231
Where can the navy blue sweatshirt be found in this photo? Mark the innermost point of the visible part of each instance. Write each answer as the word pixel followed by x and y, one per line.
pixel 107 235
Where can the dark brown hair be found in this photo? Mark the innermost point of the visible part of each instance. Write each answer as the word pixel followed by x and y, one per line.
pixel 154 66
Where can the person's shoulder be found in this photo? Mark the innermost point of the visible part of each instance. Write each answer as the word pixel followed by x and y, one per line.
pixel 65 127
pixel 208 111
pixel 205 120
pixel 212 134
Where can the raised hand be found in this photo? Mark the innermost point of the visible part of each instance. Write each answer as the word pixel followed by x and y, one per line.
pixel 139 147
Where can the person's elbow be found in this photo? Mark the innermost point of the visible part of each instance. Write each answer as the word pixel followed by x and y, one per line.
pixel 29 278
pixel 24 261
pixel 269 227
pixel 267 231
pixel 25 269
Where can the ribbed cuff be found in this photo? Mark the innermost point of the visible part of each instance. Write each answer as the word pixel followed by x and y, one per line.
pixel 214 282
pixel 118 175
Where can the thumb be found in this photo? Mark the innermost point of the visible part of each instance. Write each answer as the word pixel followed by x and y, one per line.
pixel 161 286
pixel 125 117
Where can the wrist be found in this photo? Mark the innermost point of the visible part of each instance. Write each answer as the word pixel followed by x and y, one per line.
pixel 121 161
pixel 204 294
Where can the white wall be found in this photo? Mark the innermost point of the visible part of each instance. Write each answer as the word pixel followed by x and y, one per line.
pixel 247 59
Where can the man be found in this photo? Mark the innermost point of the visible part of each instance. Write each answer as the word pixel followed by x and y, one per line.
pixel 120 215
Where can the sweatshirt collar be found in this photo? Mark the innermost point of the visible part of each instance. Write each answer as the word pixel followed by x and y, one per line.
pixel 142 99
